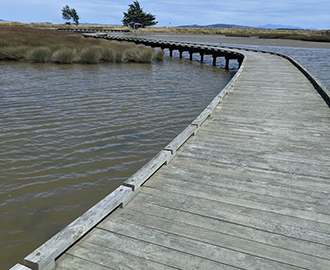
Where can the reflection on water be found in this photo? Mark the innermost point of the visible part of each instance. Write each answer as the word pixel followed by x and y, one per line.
pixel 72 134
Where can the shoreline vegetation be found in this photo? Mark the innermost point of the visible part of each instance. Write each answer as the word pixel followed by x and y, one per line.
pixel 34 45
pixel 42 43
pixel 293 34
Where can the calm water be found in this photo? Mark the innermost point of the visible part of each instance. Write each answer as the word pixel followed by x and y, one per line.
pixel 71 134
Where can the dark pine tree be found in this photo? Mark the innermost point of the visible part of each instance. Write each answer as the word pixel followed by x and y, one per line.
pixel 136 15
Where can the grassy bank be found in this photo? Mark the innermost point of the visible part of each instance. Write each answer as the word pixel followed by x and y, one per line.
pixel 306 35
pixel 29 44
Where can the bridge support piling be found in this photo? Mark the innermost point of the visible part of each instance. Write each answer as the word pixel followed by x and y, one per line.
pixel 191 56
pixel 214 60
pixel 202 57
pixel 227 63
pixel 181 54
pixel 240 61
pixel 171 52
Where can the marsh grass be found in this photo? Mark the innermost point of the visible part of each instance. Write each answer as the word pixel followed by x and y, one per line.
pixel 140 55
pixel 64 56
pixel 39 55
pixel 42 45
pixel 13 53
pixel 159 56
pixel 91 55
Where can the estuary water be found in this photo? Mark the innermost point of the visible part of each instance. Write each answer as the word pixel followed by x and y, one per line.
pixel 70 134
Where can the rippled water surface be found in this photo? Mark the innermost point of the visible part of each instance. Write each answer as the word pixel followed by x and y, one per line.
pixel 72 134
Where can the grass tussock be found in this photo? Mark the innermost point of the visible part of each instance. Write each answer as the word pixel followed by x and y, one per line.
pixel 159 56
pixel 44 45
pixel 64 56
pixel 39 55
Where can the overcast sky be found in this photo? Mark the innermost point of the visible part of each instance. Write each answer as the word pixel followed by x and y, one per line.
pixel 303 13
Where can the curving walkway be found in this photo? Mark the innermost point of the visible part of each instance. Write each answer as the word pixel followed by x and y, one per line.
pixel 251 190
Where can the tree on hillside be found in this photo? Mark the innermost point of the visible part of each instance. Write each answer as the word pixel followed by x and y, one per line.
pixel 70 13
pixel 136 16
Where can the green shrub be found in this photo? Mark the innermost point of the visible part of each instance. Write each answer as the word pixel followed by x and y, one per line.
pixel 119 57
pixel 39 55
pixel 65 56
pixel 13 53
pixel 139 55
pixel 90 55
pixel 107 55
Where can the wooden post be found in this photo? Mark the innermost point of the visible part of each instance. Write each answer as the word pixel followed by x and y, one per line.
pixel 180 54
pixel 239 62
pixel 191 54
pixel 171 52
pixel 227 62
pixel 214 60
pixel 202 57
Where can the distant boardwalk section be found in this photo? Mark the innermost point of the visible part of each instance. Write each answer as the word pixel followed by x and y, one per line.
pixel 245 186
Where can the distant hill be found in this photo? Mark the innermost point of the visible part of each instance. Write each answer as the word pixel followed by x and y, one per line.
pixel 280 26
pixel 219 25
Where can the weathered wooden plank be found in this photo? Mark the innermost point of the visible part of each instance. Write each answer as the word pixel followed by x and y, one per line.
pixel 218 239
pixel 153 252
pixel 253 159
pixel 45 255
pixel 278 199
pixel 228 228
pixel 269 151
pixel 259 220
pixel 142 175
pixel 295 182
pixel 69 262
pixel 231 181
pixel 103 256
pixel 19 267
pixel 194 247
pixel 246 204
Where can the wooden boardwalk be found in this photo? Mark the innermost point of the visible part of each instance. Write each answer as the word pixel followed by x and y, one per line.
pixel 251 189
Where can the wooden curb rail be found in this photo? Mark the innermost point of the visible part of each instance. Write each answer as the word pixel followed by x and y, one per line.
pixel 43 258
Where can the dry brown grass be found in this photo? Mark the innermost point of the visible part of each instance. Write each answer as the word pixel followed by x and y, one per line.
pixel 19 43
pixel 308 35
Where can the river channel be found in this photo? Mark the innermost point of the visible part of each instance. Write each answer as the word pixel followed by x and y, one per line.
pixel 72 134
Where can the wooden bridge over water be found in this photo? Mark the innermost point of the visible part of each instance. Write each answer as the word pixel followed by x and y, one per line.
pixel 245 186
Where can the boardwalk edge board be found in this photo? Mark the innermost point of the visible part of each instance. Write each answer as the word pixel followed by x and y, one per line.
pixel 320 88
pixel 44 256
